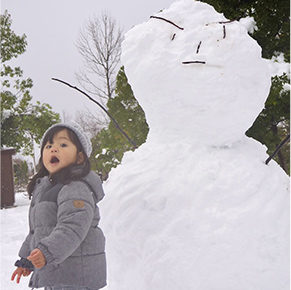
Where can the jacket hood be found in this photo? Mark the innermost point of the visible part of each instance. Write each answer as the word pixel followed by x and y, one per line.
pixel 94 182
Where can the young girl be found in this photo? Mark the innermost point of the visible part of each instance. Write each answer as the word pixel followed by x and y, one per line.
pixel 65 247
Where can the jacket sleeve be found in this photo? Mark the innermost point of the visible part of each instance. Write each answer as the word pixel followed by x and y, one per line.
pixel 25 248
pixel 75 215
pixel 24 263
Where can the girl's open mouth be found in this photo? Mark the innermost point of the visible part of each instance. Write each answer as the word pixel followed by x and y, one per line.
pixel 54 160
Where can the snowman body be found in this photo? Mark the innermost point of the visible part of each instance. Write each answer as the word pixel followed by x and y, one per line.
pixel 195 207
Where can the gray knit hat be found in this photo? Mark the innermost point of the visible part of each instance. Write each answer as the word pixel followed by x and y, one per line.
pixel 82 136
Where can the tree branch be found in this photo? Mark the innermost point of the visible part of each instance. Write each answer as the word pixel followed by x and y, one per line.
pixel 277 149
pixel 106 111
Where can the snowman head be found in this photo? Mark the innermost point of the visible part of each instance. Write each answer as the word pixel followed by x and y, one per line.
pixel 197 75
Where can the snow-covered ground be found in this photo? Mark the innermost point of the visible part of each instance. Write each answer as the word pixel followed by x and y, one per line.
pixel 14 228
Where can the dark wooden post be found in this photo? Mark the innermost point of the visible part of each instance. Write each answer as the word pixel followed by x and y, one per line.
pixel 7 178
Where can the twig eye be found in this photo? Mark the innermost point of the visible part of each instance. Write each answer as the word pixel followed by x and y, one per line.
pixel 224 31
pixel 169 21
pixel 198 47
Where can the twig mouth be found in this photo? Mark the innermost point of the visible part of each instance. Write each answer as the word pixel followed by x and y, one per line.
pixel 193 62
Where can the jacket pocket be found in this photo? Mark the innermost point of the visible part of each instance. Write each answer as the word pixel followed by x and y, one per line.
pixel 93 244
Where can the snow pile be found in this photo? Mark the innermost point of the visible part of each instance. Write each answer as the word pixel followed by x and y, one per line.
pixel 195 207
pixel 202 98
pixel 14 228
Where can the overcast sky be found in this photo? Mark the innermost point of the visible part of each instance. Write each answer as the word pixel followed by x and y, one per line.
pixel 52 28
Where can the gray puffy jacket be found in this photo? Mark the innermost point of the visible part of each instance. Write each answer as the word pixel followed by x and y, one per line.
pixel 64 227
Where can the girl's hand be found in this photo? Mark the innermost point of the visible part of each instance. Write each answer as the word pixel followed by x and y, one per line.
pixel 37 258
pixel 20 272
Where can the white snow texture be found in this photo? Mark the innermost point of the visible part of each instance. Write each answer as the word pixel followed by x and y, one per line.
pixel 195 207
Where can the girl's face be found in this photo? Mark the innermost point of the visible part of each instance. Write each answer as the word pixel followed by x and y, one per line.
pixel 61 153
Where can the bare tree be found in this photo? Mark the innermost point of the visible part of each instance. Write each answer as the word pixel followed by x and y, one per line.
pixel 89 123
pixel 99 43
pixel 66 116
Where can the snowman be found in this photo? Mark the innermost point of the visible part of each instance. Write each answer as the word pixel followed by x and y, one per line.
pixel 195 207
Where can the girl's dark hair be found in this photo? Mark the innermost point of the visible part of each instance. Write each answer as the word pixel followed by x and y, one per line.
pixel 67 174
